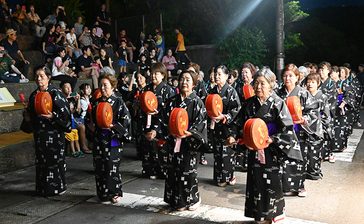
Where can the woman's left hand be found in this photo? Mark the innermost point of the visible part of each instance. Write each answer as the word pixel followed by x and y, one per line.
pixel 230 141
pixel 187 134
pixel 48 116
pixel 269 141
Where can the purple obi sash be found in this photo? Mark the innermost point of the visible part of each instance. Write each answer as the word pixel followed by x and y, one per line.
pixel 340 98
pixel 114 141
pixel 272 128
pixel 296 127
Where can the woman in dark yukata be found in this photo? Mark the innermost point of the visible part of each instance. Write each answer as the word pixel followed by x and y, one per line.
pixel 108 143
pixel 155 156
pixel 294 171
pixel 49 137
pixel 224 133
pixel 264 193
pixel 181 188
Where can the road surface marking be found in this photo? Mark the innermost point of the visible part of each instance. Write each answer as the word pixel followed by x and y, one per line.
pixel 204 212
pixel 353 141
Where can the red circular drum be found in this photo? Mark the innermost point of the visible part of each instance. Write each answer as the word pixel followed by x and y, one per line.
pixel 255 134
pixel 104 115
pixel 295 109
pixel 214 105
pixel 178 122
pixel 248 91
pixel 148 102
pixel 43 103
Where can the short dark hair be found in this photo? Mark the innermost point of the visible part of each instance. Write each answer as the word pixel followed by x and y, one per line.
pixel 113 81
pixel 249 66
pixel 193 75
pixel 84 49
pixel 223 68
pixel 44 68
pixel 59 50
pixel 64 83
pixel 160 67
pixel 313 76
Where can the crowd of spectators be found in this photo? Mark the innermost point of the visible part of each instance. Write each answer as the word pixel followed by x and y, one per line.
pixel 73 49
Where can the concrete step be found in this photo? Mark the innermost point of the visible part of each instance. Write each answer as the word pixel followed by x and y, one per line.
pixel 11 118
pixel 16 151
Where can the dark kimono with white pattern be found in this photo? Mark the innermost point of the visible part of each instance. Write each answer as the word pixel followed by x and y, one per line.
pixel 241 156
pixel 138 123
pixel 329 89
pixel 181 186
pixel 200 90
pixel 357 88
pixel 294 171
pixel 155 157
pixel 320 114
pixel 107 149
pixel 344 120
pixel 49 142
pixel 264 193
pixel 224 164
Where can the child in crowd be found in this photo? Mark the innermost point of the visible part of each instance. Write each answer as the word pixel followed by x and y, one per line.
pixel 72 137
pixel 83 120
pixel 143 66
pixel 122 54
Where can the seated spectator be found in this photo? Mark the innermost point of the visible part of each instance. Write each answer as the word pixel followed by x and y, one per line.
pixel 86 68
pixel 151 42
pixel 140 42
pixel 11 46
pixel 144 50
pixel 49 46
pixel 35 22
pixel 8 72
pixel 152 57
pixel 85 38
pixel 104 60
pixel 72 43
pixel 61 71
pixel 79 26
pixel 170 62
pixel 96 41
pixel 129 45
pixel 106 44
pixel 20 18
pixel 143 66
pixel 61 36
pixel 99 31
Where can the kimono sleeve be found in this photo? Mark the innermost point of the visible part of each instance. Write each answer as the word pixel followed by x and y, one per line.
pixel 326 118
pixel 285 139
pixel 121 121
pixel 198 126
pixel 349 96
pixel 61 112
pixel 233 107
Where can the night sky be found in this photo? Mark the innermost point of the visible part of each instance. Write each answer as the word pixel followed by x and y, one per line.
pixel 310 4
